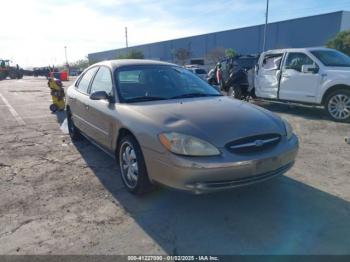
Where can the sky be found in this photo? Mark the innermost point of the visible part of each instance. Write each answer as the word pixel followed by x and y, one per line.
pixel 36 32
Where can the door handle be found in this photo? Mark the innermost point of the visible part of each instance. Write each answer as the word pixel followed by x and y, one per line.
pixel 285 76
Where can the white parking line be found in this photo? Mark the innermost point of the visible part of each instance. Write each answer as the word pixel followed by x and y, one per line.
pixel 12 111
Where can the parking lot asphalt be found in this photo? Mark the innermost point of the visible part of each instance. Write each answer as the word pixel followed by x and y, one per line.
pixel 60 198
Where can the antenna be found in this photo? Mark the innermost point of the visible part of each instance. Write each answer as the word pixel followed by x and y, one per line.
pixel 65 52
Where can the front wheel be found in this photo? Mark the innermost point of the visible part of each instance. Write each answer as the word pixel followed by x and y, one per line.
pixel 338 105
pixel 132 166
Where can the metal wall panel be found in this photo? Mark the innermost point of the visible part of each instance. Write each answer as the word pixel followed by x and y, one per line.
pixel 300 32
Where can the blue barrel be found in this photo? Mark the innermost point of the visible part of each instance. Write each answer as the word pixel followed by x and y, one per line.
pixel 57 75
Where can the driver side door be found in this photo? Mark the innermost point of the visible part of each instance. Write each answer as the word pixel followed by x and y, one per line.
pixel 102 112
pixel 297 85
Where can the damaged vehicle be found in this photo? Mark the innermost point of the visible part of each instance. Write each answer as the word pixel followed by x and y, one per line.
pixel 310 76
pixel 164 125
pixel 237 75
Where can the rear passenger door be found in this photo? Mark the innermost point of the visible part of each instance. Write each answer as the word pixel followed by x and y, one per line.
pixel 79 103
pixel 268 76
pixel 102 112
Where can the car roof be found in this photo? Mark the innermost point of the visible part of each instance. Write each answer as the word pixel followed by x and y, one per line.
pixel 131 62
pixel 276 51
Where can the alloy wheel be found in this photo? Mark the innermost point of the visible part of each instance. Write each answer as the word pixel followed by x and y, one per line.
pixel 339 106
pixel 129 165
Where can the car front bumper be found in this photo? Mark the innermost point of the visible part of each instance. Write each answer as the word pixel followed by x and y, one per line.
pixel 207 174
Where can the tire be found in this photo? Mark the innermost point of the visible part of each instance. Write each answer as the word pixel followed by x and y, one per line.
pixel 132 166
pixel 13 75
pixel 235 92
pixel 337 105
pixel 53 108
pixel 73 131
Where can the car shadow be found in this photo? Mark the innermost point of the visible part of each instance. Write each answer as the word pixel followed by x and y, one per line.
pixel 307 112
pixel 60 116
pixel 279 216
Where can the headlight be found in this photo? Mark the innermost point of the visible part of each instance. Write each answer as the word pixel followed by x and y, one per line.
pixel 187 145
pixel 289 129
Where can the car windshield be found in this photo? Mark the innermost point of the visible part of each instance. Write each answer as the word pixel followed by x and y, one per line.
pixel 332 58
pixel 158 82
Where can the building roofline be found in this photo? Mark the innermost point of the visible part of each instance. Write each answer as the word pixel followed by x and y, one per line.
pixel 222 31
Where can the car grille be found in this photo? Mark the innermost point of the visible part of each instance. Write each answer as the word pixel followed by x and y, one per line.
pixel 253 143
pixel 245 180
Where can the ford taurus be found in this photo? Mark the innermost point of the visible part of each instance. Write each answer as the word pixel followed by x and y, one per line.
pixel 166 126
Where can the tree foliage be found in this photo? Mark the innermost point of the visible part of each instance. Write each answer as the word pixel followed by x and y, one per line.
pixel 215 55
pixel 230 52
pixel 341 42
pixel 133 54
pixel 182 55
pixel 81 64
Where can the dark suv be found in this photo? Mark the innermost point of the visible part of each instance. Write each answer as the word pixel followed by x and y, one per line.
pixel 237 73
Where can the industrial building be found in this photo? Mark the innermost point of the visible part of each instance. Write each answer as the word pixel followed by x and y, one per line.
pixel 300 32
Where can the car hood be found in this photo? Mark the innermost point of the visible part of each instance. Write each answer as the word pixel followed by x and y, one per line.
pixel 344 69
pixel 337 74
pixel 217 120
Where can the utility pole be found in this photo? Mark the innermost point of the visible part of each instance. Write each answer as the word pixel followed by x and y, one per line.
pixel 265 28
pixel 126 37
pixel 67 65
pixel 65 53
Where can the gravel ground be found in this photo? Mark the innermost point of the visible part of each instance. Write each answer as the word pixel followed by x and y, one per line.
pixel 60 198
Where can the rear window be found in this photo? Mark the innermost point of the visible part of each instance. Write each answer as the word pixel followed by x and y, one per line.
pixel 132 76
pixel 200 71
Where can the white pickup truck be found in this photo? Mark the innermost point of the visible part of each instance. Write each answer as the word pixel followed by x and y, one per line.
pixel 314 76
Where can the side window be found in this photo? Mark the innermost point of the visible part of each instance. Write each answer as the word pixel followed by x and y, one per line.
pixel 86 79
pixel 272 62
pixel 297 60
pixel 102 81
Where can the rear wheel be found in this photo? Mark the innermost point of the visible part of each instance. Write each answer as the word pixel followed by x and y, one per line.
pixel 132 166
pixel 20 75
pixel 74 132
pixel 13 75
pixel 338 105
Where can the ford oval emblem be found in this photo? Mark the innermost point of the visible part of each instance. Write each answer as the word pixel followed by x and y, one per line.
pixel 259 143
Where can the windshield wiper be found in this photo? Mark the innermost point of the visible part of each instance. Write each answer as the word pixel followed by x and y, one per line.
pixel 189 95
pixel 144 99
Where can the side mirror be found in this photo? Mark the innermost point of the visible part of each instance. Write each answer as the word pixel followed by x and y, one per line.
pixel 100 95
pixel 309 69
